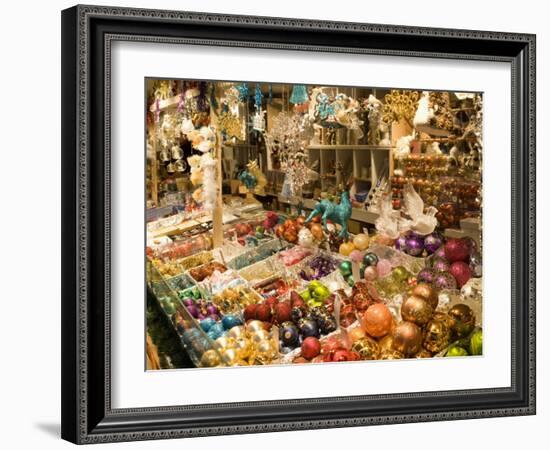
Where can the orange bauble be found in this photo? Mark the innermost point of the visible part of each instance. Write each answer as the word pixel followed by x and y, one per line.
pixel 317 231
pixel 346 248
pixel 355 334
pixel 377 320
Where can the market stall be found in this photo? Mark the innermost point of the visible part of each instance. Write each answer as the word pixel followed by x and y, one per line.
pixel 298 224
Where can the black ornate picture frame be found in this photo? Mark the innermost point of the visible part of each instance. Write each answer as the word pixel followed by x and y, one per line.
pixel 87 35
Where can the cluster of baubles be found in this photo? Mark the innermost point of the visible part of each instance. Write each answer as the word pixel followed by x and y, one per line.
pixel 414 244
pixel 318 267
pixel 452 264
pixel 296 231
pixel 242 345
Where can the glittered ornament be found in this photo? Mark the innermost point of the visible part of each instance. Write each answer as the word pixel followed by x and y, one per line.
pixel 388 354
pixel 229 321
pixel 210 358
pixel 441 265
pixel 361 241
pixel 263 313
pixel 407 338
pixel 311 347
pixel 370 259
pixel 462 320
pixel 461 271
pixel 417 310
pixel 367 348
pixel 282 312
pixel 265 352
pixel 444 280
pixel 432 242
pixel 437 336
pixel 386 343
pixel 207 323
pixel 428 293
pixel 327 324
pixel 377 320
pixel 297 314
pixel 423 353
pixel 457 250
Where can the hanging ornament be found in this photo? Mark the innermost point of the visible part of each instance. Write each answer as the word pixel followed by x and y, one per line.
pixel 299 94
pixel 243 91
pixel 258 97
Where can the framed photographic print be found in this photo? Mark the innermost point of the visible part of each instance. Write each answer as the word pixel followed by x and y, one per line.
pixel 282 224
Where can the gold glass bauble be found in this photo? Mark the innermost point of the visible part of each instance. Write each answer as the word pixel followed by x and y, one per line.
pixel 437 335
pixel 407 338
pixel 386 343
pixel 230 356
pixel 417 310
pixel 243 346
pixel 210 358
pixel 236 332
pixel 462 320
pixel 255 325
pixel 367 348
pixel 258 336
pixel 427 293
pixel 222 343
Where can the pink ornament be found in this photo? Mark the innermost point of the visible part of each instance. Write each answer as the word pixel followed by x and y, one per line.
pixel 461 271
pixel 371 273
pixel 383 267
pixel 356 256
pixel 457 250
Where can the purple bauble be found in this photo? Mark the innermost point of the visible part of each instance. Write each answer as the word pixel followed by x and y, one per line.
pixel 211 309
pixel 188 302
pixel 444 280
pixel 440 253
pixel 432 242
pixel 415 245
pixel 401 243
pixel 426 276
pixel 441 265
pixel 194 311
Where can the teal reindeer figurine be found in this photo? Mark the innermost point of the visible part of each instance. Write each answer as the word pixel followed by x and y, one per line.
pixel 336 213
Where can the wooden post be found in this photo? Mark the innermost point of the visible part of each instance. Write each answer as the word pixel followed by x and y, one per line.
pixel 217 213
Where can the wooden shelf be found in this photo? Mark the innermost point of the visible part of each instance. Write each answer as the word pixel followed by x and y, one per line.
pixel 349 147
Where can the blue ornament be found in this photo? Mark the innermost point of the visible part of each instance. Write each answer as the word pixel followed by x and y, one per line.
pixel 308 327
pixel 215 331
pixel 229 321
pixel 289 334
pixel 207 323
pixel 337 213
pixel 243 91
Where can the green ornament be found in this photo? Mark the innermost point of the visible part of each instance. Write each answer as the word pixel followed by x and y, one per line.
pixel 400 274
pixel 345 268
pixel 350 280
pixel 320 293
pixel 305 295
pixel 370 259
pixel 476 343
pixel 455 350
